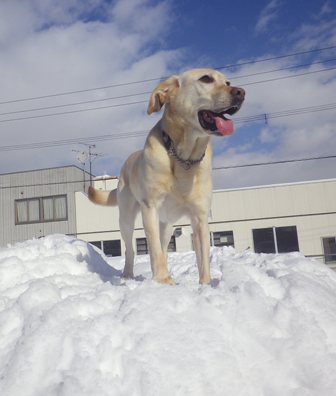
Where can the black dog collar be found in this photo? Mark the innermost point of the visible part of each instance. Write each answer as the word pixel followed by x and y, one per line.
pixel 169 145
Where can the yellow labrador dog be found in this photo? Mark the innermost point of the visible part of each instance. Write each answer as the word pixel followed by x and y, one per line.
pixel 171 176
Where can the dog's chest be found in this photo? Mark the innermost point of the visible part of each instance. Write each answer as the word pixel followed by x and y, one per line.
pixel 183 201
pixel 172 208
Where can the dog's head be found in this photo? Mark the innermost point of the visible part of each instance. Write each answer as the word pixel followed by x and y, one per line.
pixel 202 98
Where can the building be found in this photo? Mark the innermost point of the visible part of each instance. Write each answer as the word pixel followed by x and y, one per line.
pixel 270 219
pixel 40 202
pixel 275 218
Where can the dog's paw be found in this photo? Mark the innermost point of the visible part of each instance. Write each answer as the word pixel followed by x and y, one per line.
pixel 166 281
pixel 205 280
pixel 128 275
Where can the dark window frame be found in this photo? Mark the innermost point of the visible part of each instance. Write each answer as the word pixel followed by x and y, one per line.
pixel 97 244
pixel 142 242
pixel 275 244
pixel 111 250
pixel 215 235
pixel 40 209
pixel 111 247
pixel 263 240
pixel 329 258
pixel 172 245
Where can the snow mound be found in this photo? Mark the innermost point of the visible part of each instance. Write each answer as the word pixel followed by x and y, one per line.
pixel 69 325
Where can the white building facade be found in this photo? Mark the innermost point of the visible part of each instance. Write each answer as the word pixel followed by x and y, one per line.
pixel 39 202
pixel 267 219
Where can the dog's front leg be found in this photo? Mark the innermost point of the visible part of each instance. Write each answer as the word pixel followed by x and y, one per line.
pixel 158 257
pixel 201 241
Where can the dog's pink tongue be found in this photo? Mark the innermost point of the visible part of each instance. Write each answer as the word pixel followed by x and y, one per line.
pixel 225 127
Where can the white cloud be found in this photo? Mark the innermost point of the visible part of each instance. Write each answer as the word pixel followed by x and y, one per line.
pixel 56 49
pixel 141 17
pixel 326 8
pixel 50 47
pixel 304 135
pixel 267 16
pixel 21 18
pixel 310 36
pixel 268 135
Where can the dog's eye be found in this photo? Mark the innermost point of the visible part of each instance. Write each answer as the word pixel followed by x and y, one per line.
pixel 207 79
pixel 228 83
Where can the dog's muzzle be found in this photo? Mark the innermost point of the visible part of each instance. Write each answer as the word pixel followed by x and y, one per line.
pixel 215 121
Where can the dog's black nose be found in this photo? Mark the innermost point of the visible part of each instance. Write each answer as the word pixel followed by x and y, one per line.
pixel 238 93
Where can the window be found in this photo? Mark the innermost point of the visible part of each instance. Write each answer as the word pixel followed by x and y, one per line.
pixel 329 249
pixel 141 246
pixel 222 238
pixel 110 248
pixel 40 210
pixel 263 239
pixel 48 208
pixel 60 208
pixel 27 211
pixel 287 239
pixel 97 244
pixel 275 240
pixel 172 244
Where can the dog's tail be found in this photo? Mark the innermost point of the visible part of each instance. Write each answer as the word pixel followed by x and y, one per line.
pixel 103 197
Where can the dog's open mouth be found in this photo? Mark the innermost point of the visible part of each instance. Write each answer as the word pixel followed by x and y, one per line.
pixel 217 123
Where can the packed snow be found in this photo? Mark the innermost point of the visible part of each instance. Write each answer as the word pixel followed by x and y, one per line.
pixel 70 325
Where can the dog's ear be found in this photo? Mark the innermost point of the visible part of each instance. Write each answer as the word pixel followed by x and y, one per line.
pixel 161 94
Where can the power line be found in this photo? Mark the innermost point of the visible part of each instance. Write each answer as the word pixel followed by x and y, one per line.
pixel 286 113
pixel 214 168
pixel 145 101
pixel 285 68
pixel 291 76
pixel 46 184
pixel 73 111
pixel 75 103
pixel 149 92
pixel 276 57
pixel 79 140
pixel 274 162
pixel 123 135
pixel 238 64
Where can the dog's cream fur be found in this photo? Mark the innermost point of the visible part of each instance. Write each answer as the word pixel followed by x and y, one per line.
pixel 156 183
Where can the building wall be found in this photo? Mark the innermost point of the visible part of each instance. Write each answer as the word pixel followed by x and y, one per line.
pixel 310 206
pixel 36 184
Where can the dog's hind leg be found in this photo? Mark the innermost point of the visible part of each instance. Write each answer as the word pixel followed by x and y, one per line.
pixel 128 209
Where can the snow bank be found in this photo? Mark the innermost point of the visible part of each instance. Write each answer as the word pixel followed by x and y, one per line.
pixel 69 325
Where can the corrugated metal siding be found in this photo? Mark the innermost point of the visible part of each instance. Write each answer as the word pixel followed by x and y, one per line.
pixel 38 183
pixel 275 201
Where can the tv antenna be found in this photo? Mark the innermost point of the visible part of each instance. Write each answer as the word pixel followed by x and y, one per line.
pixel 84 156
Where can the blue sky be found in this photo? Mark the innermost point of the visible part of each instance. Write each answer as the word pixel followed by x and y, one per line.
pixel 54 47
pixel 234 30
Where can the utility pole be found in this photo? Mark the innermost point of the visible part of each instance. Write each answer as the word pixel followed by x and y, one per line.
pixel 94 156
